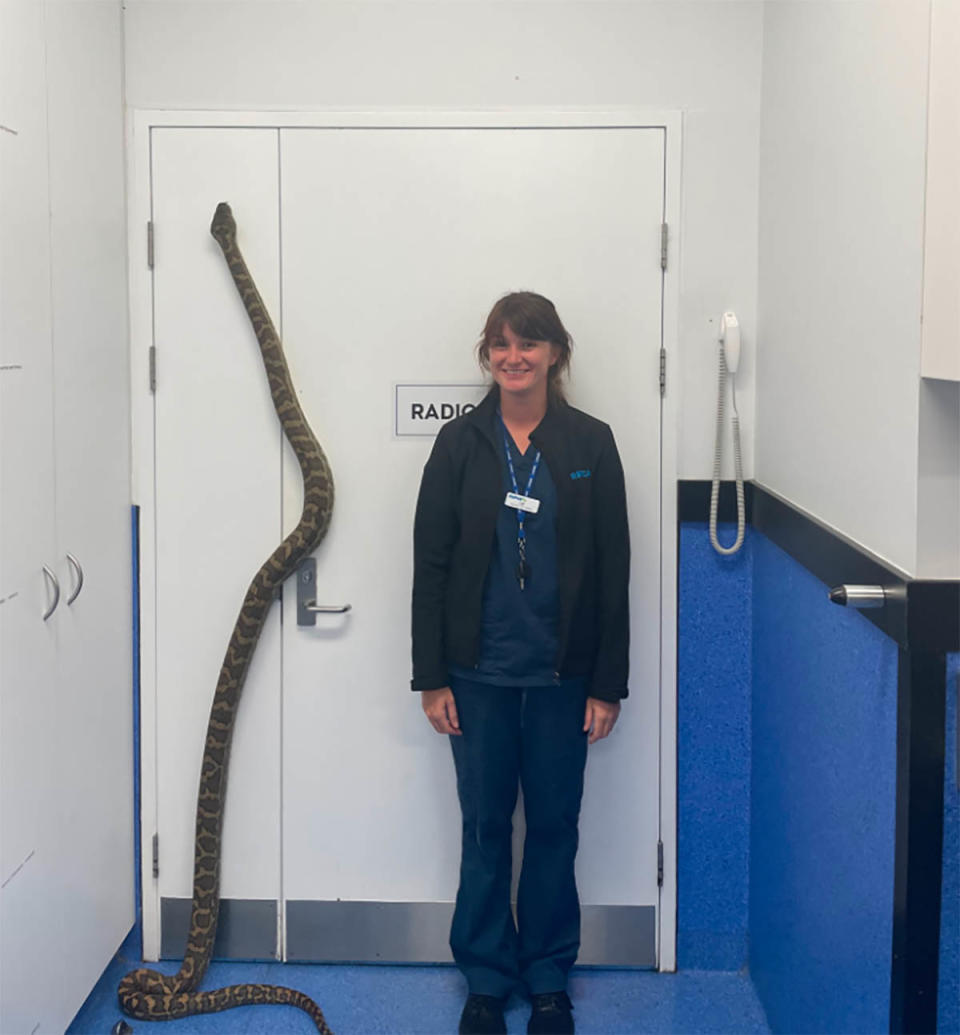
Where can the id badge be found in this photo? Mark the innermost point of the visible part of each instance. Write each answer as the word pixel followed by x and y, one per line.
pixel 520 502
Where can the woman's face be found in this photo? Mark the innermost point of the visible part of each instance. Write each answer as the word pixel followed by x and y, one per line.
pixel 519 365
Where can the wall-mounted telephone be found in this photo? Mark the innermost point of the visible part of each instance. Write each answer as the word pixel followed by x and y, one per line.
pixel 728 361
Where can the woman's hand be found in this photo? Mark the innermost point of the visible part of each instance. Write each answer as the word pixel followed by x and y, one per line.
pixel 600 718
pixel 441 710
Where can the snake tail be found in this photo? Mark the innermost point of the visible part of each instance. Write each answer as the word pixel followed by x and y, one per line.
pixel 144 1005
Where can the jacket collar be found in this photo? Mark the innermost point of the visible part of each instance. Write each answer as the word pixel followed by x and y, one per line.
pixel 545 435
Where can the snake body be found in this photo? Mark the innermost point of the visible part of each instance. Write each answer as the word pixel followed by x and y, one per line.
pixel 148 994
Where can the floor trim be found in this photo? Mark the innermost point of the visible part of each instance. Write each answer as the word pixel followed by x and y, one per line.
pixel 246 929
pixel 419 932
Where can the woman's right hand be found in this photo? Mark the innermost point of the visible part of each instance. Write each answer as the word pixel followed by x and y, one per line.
pixel 441 710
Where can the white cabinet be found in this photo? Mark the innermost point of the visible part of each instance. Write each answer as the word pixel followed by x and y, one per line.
pixel 27 645
pixel 66 759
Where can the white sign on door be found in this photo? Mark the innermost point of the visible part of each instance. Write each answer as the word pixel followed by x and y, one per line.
pixel 424 409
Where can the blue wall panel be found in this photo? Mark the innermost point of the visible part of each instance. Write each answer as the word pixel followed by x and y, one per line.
pixel 948 994
pixel 823 805
pixel 135 618
pixel 713 746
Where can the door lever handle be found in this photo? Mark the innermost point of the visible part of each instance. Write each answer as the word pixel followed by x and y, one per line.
pixel 307 606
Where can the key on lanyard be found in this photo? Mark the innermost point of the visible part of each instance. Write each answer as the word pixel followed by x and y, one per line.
pixel 523 569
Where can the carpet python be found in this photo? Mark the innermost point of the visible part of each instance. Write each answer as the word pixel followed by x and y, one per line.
pixel 148 994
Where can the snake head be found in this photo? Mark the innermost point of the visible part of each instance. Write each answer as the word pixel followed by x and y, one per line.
pixel 223 227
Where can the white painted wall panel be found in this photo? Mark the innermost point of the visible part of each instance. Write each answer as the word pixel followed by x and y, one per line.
pixel 938 526
pixel 699 56
pixel 718 273
pixel 941 274
pixel 248 55
pixel 841 250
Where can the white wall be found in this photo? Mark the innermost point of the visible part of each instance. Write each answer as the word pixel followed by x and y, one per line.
pixel 842 167
pixel 938 525
pixel 701 57
pixel 941 272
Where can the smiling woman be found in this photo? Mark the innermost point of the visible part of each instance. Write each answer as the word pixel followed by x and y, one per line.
pixel 524 344
pixel 520 644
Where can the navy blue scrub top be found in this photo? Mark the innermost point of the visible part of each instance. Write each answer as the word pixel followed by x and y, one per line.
pixel 518 638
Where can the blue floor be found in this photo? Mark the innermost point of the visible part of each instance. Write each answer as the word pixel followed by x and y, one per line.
pixel 363 1000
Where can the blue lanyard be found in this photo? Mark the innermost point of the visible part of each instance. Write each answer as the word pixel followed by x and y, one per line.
pixel 513 481
pixel 523 569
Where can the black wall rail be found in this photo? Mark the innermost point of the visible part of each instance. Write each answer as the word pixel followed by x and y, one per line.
pixel 923 618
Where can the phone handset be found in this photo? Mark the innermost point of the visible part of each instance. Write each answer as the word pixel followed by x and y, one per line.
pixel 728 361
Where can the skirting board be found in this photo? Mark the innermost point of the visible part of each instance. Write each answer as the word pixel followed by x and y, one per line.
pixel 246 929
pixel 418 932
pixel 391 932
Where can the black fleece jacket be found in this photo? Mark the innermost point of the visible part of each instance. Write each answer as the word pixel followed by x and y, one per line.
pixel 460 496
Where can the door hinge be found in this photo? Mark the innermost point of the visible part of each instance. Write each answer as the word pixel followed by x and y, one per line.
pixel 156 855
pixel 663 245
pixel 150 244
pixel 659 864
pixel 663 372
pixel 153 368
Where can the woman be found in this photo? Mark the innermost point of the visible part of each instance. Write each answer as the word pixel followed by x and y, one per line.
pixel 520 637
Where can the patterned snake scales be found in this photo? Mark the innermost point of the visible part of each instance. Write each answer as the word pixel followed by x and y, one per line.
pixel 144 993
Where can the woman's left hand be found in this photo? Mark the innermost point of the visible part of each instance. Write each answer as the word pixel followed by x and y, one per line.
pixel 600 718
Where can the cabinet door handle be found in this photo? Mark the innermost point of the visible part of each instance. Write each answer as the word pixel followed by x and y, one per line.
pixel 79 572
pixel 56 592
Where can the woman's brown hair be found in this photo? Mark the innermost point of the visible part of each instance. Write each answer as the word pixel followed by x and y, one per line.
pixel 535 318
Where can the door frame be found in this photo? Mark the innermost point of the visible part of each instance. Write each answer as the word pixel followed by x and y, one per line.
pixel 140 124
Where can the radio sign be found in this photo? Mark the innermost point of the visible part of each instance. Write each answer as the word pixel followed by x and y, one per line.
pixel 424 409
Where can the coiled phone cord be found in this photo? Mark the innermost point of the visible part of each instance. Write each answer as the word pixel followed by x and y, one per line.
pixel 726 551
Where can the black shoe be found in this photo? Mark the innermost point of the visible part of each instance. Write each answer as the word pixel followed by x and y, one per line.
pixel 552 1015
pixel 482 1015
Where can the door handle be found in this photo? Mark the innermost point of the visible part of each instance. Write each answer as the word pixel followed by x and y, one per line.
pixel 56 592
pixel 75 564
pixel 307 606
pixel 860 597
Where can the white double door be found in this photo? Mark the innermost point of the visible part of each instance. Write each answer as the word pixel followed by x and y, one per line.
pixel 379 252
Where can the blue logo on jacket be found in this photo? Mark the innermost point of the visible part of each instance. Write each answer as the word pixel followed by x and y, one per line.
pixel 580 474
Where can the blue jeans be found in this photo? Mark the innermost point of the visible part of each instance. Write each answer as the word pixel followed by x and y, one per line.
pixel 531 737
